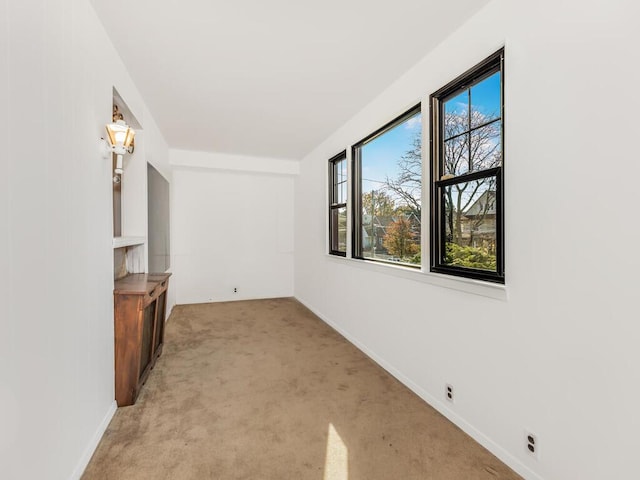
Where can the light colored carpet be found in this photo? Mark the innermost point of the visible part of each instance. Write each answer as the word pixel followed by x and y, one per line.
pixel 263 389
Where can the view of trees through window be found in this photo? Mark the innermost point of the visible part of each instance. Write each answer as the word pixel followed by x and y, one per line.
pixel 467 173
pixel 466 195
pixel 472 143
pixel 391 172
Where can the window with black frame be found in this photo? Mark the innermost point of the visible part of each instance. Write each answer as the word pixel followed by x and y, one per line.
pixel 467 210
pixel 387 192
pixel 338 204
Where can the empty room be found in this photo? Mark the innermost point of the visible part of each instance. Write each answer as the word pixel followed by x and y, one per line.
pixel 341 240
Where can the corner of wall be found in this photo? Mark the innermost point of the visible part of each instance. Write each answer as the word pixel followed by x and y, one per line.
pixel 93 442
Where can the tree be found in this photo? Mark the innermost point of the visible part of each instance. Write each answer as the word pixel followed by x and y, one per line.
pixel 408 184
pixel 378 203
pixel 465 151
pixel 375 204
pixel 400 239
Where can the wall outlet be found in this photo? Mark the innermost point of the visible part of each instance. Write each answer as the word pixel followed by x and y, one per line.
pixel 448 392
pixel 235 289
pixel 531 444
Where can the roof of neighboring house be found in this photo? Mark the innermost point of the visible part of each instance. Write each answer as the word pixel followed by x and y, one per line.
pixel 478 207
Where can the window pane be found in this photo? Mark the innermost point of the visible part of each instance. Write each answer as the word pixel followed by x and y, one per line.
pixel 338 193
pixel 342 176
pixel 391 170
pixel 339 229
pixel 470 224
pixel 456 115
pixel 343 179
pixel 456 155
pixel 334 183
pixel 486 146
pixel 485 100
pixel 339 187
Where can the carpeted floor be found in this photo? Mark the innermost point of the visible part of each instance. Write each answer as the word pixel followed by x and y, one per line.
pixel 263 389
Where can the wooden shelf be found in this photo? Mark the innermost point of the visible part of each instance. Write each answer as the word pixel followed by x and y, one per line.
pixel 119 242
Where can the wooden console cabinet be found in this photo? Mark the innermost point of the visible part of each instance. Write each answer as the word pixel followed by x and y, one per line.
pixel 140 302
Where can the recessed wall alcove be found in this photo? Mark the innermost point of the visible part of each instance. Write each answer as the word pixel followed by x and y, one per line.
pixel 129 201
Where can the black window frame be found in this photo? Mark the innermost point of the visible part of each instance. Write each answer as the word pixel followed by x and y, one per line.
pixel 356 185
pixel 473 76
pixel 333 203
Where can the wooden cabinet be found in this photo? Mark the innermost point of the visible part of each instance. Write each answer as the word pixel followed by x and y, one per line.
pixel 140 302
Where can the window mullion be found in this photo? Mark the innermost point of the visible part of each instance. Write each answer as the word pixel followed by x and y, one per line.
pixel 469 177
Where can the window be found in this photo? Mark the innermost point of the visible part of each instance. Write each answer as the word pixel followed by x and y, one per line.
pixel 338 204
pixel 387 186
pixel 467 181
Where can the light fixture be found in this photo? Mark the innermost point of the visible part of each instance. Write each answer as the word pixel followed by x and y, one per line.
pixel 120 137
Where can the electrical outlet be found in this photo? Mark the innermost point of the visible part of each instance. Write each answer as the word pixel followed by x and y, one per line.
pixel 448 392
pixel 531 444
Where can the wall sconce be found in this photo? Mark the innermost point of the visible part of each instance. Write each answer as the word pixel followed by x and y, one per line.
pixel 120 138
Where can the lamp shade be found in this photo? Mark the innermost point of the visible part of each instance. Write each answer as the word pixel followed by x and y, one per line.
pixel 120 136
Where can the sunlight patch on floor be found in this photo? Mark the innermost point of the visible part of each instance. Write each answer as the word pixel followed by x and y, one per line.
pixel 336 464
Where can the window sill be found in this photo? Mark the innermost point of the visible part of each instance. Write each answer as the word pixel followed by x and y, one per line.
pixel 119 242
pixel 476 287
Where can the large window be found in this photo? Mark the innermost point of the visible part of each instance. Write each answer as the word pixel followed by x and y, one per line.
pixel 466 183
pixel 387 190
pixel 338 204
pixel 467 180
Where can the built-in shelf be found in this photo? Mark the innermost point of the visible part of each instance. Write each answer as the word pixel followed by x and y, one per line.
pixel 119 242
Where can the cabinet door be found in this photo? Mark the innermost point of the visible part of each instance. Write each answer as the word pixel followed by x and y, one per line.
pixel 147 337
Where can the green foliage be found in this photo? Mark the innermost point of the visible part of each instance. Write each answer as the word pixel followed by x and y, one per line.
pixel 416 259
pixel 472 257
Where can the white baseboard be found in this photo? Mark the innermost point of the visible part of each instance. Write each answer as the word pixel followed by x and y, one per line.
pixel 504 456
pixel 93 443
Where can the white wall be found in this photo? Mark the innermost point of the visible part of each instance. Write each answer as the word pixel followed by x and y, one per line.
pixel 58 69
pixel 232 227
pixel 558 354
pixel 149 147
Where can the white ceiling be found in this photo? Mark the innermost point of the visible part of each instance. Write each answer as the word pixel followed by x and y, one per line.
pixel 269 78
